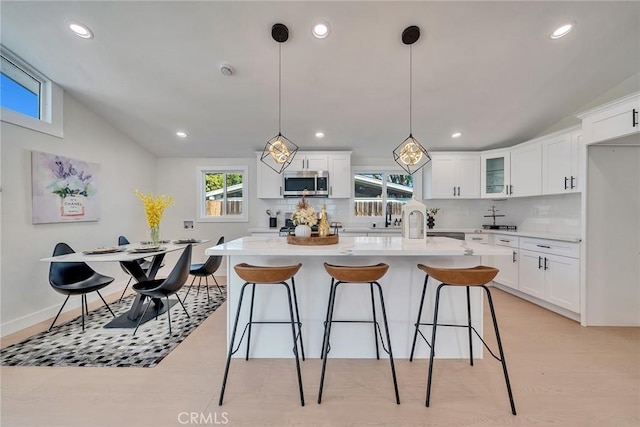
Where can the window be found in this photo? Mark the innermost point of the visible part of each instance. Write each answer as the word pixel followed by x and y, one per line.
pixel 27 98
pixel 222 194
pixel 379 193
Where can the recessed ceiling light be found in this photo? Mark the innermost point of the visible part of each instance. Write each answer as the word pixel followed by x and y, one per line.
pixel 319 134
pixel 80 30
pixel 181 134
pixel 321 29
pixel 226 70
pixel 456 135
pixel 563 30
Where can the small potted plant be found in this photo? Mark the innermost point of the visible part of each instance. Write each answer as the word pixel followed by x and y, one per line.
pixel 304 217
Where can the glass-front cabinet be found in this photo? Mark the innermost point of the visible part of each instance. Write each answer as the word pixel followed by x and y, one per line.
pixel 495 177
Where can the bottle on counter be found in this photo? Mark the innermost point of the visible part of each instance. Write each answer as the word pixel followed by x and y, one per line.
pixel 323 224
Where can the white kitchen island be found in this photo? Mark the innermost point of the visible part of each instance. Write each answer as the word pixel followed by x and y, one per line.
pixel 402 288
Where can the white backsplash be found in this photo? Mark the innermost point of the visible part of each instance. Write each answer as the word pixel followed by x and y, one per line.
pixel 558 214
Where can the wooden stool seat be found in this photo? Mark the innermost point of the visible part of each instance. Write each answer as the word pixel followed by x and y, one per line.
pixel 475 276
pixel 363 274
pixel 260 274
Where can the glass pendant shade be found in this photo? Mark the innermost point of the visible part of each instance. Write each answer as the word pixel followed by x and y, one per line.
pixel 278 153
pixel 411 155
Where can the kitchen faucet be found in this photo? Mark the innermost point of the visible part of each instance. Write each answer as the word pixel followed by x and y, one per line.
pixel 387 216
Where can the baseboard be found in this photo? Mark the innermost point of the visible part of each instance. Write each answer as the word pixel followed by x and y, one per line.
pixel 49 313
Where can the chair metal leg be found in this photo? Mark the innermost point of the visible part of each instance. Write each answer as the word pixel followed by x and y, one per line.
pixel 59 311
pixel 105 303
pixel 199 283
pixel 219 288
pixel 415 333
pixel 327 335
pixel 375 333
pixel 83 307
pixel 189 289
pixel 233 338
pixel 125 290
pixel 386 329
pixel 295 342
pixel 206 281
pixel 502 360
pixel 183 307
pixel 298 322
pixel 469 324
pixel 253 292
pixel 141 317
pixel 433 343
pixel 169 314
pixel 326 319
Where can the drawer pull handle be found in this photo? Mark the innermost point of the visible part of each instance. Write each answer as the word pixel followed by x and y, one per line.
pixel 514 257
pixel 634 117
pixel 544 246
pixel 545 263
pixel 539 262
pixel 506 241
pixel 476 238
pixel 454 191
pixel 566 182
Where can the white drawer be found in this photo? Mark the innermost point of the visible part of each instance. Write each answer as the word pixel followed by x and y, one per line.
pixel 554 247
pixel 477 238
pixel 506 240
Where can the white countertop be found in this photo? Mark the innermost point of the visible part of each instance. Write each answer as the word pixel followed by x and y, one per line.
pixel 357 246
pixel 396 230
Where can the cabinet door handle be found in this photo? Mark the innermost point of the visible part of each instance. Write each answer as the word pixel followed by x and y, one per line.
pixel 503 240
pixel 572 184
pixel 281 190
pixel 539 262
pixel 544 246
pixel 511 190
pixel 506 189
pixel 514 257
pixel 331 190
pixel 634 117
pixel 545 263
pixel 454 191
pixel 476 238
pixel 458 191
pixel 566 181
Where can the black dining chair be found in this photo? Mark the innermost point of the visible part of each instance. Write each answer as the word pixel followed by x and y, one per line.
pixel 145 265
pixel 163 288
pixel 75 278
pixel 205 270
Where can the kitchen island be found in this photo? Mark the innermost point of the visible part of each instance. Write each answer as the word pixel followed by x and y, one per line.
pixel 402 288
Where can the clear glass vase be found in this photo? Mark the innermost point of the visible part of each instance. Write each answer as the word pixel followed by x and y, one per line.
pixel 154 235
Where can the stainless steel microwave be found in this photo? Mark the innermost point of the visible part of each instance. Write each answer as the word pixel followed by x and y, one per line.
pixel 315 183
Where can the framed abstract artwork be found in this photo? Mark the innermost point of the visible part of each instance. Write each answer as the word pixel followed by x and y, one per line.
pixel 64 189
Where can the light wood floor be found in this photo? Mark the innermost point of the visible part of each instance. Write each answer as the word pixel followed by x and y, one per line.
pixel 562 375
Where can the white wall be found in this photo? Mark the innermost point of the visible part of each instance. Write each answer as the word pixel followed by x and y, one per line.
pixel 613 236
pixel 26 296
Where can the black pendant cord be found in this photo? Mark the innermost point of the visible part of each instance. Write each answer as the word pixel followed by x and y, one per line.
pixel 279 87
pixel 410 89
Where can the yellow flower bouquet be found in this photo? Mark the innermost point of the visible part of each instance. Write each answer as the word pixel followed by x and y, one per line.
pixel 154 207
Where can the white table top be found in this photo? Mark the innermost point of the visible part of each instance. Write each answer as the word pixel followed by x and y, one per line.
pixel 357 246
pixel 120 256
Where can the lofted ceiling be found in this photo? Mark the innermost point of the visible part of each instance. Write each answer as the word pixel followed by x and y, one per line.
pixel 486 69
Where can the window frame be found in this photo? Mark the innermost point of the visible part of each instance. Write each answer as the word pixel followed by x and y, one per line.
pixel 386 170
pixel 51 100
pixel 201 191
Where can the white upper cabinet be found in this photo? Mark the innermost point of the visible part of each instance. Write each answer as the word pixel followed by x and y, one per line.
pixel 613 120
pixel 560 155
pixel 269 182
pixel 340 178
pixel 526 170
pixel 308 161
pixel 495 174
pixel 453 176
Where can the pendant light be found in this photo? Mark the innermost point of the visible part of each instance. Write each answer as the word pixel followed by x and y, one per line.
pixel 279 151
pixel 410 154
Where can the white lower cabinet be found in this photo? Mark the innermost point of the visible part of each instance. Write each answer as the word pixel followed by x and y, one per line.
pixel 550 270
pixel 507 266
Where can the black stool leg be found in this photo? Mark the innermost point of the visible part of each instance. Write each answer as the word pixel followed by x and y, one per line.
pixel 375 332
pixel 233 338
pixel 125 290
pixel 504 363
pixel 219 288
pixel 469 324
pixel 326 319
pixel 433 343
pixel 253 292
pixel 295 300
pixel 295 342
pixel 386 328
pixel 189 290
pixel 146 307
pixel 59 311
pixel 327 334
pixel 415 333
pixel 105 303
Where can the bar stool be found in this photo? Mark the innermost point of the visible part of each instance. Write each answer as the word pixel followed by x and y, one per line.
pixel 253 275
pixel 477 276
pixel 365 274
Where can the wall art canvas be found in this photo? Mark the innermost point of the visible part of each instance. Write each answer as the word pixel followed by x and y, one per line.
pixel 64 189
